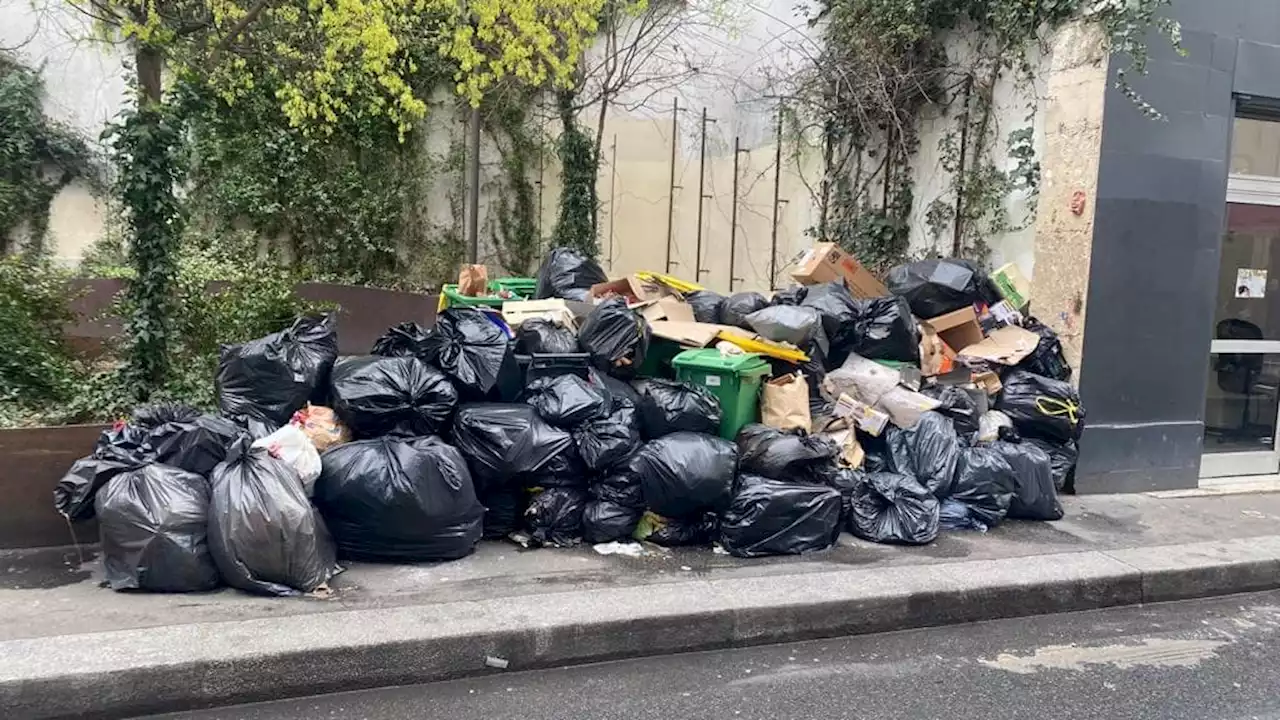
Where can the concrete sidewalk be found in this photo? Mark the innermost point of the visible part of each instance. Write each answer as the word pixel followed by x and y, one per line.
pixel 74 649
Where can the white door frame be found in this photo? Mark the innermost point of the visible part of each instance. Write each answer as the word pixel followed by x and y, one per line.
pixel 1246 190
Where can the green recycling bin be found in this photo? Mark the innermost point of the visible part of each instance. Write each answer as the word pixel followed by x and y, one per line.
pixel 734 379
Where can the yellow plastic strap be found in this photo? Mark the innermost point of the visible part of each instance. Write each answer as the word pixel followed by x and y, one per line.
pixel 1054 407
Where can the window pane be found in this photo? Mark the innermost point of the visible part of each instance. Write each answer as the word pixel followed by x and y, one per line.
pixel 1241 405
pixel 1255 147
pixel 1248 306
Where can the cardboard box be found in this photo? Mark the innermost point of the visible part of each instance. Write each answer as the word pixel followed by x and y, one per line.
pixel 958 329
pixel 632 288
pixel 1013 285
pixel 667 308
pixel 692 334
pixel 934 358
pixel 1006 346
pixel 826 262
pixel 867 418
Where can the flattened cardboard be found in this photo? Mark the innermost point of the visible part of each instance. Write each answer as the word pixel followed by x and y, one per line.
pixel 1006 346
pixel 958 329
pixel 826 262
pixel 560 312
pixel 632 288
pixel 667 308
pixel 692 334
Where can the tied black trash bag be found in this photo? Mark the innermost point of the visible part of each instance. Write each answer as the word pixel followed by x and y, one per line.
pixel 930 452
pixel 502 442
pixel 793 295
pixel 616 337
pixel 538 336
pixel 786 455
pixel 840 315
pixel 619 487
pixel 472 350
pixel 196 445
pixel 677 532
pixel 376 396
pixel 885 331
pixel 1047 359
pixel 668 406
pixel 568 274
pixel 1035 497
pixel 770 517
pixel 1062 461
pixel 685 474
pixel 154 526
pixel 739 306
pixel 937 287
pixel 795 324
pixel 554 517
pixel 604 442
pixel 74 494
pixel 957 405
pixel 953 515
pixel 567 401
pixel 401 340
pixel 985 484
pixel 706 305
pixel 893 508
pixel 263 382
pixel 264 535
pixel 1041 407
pixel 605 521
pixel 392 499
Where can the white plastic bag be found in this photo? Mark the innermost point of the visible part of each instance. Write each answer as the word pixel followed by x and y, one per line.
pixel 989 425
pixel 292 445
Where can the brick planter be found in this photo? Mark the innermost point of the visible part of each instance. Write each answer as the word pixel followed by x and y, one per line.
pixel 33 460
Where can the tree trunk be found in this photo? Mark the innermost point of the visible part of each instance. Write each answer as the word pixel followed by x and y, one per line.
pixel 149 64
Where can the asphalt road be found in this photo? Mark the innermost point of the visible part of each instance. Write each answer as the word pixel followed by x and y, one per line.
pixel 1208 660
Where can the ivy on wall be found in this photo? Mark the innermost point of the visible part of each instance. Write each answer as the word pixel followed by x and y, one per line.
pixel 38 157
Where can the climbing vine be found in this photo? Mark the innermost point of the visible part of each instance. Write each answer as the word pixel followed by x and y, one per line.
pixel 38 157
pixel 575 226
pixel 884 62
pixel 517 240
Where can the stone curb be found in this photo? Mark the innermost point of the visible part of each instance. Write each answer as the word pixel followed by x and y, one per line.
pixel 152 670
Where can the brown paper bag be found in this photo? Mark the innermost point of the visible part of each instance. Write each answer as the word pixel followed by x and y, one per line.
pixel 473 280
pixel 784 403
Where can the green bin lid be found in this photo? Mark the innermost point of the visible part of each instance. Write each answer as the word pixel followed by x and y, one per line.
pixel 743 365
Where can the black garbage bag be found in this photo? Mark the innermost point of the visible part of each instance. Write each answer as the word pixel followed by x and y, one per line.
pixel 684 474
pixel 566 470
pixel 265 536
pixel 795 324
pixel 123 441
pixel 504 505
pixel 935 452
pixel 885 330
pixel 954 515
pixel 619 487
pixel 1035 497
pixel 985 483
pixel 1062 461
pixel 739 305
pixel 554 517
pixel 793 295
pixel 1041 407
pixel 677 532
pixel 706 305
pixel 567 401
pixel 74 494
pixel 604 442
pixel 618 390
pixel 939 286
pixel 504 441
pixel 154 526
pixel 958 405
pixel 1047 359
pixel 616 337
pixel 403 339
pixel 376 396
pixel 196 444
pixel 399 499
pixel 472 350
pixel 539 336
pixel 605 521
pixel 263 382
pixel 771 517
pixel 668 406
pixel 839 312
pixel 790 455
pixel 567 273
pixel 893 508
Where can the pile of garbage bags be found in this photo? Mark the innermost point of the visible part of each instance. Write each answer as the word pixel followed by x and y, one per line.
pixel 553 430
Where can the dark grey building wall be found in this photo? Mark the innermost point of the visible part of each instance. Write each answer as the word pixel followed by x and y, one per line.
pixel 1160 214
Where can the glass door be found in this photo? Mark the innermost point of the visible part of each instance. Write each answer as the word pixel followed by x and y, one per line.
pixel 1242 403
